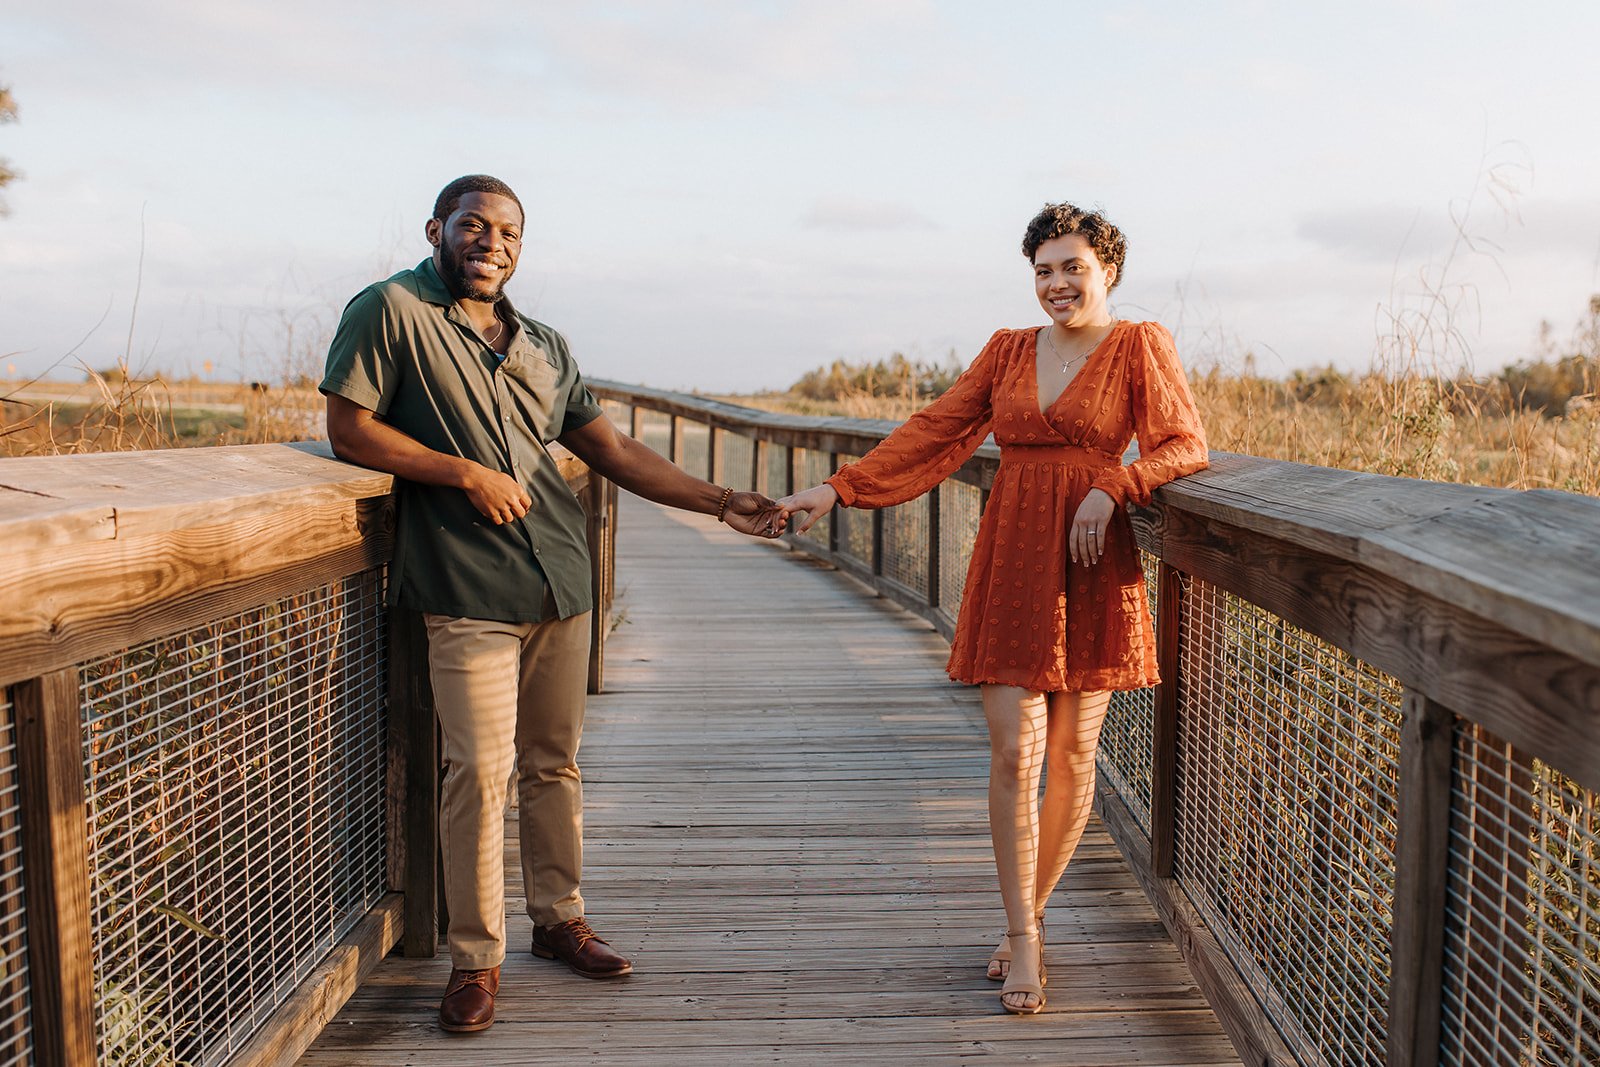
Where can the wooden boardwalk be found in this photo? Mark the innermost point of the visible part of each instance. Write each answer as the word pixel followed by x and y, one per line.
pixel 786 831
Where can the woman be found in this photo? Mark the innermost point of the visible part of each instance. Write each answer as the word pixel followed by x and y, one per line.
pixel 1053 614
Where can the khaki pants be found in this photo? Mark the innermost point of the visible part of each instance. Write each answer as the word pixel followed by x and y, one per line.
pixel 508 694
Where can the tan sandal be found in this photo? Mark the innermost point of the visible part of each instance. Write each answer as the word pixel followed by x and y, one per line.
pixel 1014 985
pixel 1002 954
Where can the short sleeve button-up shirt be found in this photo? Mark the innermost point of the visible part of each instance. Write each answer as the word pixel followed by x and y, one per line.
pixel 405 351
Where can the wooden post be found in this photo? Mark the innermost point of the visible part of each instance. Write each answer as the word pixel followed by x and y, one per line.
pixel 758 465
pixel 597 531
pixel 833 520
pixel 1164 745
pixel 791 465
pixel 935 547
pixel 714 463
pixel 414 741
pixel 56 866
pixel 877 541
pixel 675 440
pixel 636 422
pixel 1422 857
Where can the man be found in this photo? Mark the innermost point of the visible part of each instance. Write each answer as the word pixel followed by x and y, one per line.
pixel 434 377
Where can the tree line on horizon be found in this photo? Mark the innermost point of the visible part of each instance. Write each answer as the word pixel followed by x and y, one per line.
pixel 1560 374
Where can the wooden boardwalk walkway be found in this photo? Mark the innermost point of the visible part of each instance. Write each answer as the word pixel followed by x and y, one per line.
pixel 786 831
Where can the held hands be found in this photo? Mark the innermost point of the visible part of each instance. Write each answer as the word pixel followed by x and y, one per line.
pixel 754 514
pixel 1086 540
pixel 811 504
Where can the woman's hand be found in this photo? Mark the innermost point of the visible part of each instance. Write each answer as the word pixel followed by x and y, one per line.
pixel 812 503
pixel 1086 541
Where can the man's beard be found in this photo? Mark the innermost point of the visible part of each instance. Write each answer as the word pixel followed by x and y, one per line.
pixel 462 287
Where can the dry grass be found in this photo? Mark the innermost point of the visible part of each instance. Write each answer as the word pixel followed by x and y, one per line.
pixel 1409 425
pixel 114 412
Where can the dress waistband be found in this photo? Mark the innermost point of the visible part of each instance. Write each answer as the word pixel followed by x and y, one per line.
pixel 1076 455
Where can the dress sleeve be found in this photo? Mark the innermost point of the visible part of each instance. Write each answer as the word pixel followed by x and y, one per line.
pixel 1172 441
pixel 929 446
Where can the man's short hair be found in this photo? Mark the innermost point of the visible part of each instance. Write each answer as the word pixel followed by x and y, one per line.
pixel 451 195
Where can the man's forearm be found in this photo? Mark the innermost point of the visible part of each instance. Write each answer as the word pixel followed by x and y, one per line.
pixel 641 470
pixel 372 443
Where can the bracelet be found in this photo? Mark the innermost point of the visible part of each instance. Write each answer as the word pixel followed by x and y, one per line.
pixel 722 505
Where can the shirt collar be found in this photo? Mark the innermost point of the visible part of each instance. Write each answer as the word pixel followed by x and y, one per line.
pixel 431 288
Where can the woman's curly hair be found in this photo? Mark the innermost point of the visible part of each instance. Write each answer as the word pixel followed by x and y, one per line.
pixel 1058 220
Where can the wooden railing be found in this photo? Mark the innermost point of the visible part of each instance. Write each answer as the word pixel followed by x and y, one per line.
pixel 1363 797
pixel 218 759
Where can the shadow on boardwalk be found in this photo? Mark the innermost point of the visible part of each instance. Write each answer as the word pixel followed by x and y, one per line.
pixel 786 831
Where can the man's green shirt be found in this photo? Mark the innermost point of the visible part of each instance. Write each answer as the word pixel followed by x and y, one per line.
pixel 406 352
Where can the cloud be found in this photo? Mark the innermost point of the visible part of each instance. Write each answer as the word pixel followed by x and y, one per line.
pixel 1376 234
pixel 857 216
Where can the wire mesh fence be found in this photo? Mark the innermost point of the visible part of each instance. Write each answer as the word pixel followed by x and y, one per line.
pixel 811 467
pixel 1288 758
pixel 1127 738
pixel 235 793
pixel 1285 812
pixel 905 546
pixel 738 461
pixel 696 447
pixel 1522 932
pixel 16 1023
pixel 655 430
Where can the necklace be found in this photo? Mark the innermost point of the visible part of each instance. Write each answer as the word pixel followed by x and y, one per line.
pixel 1066 364
pixel 499 332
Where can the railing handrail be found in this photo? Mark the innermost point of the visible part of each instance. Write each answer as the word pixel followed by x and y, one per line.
pixel 105 552
pixel 1370 560
pixel 1475 614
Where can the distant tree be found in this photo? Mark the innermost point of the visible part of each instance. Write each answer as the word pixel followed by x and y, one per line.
pixel 895 376
pixel 8 113
pixel 1568 372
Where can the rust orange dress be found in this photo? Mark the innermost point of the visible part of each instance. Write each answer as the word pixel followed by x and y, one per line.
pixel 1028 617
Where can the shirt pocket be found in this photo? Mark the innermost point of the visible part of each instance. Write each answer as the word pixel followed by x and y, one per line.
pixel 542 400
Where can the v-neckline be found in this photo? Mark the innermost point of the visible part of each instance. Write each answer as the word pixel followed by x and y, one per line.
pixel 1033 376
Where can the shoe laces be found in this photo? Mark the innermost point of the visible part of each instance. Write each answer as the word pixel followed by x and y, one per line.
pixel 481 979
pixel 582 931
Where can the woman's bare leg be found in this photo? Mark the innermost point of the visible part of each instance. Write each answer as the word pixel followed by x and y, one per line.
pixel 1018 725
pixel 1071 739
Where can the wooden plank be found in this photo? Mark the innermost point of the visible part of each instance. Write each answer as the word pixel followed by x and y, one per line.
pixel 290 1029
pixel 790 857
pixel 56 866
pixel 1228 992
pixel 1527 692
pixel 66 499
pixel 1422 856
pixel 68 605
pixel 1527 561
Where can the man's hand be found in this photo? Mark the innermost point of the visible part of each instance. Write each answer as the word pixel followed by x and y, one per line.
pixel 754 514
pixel 811 503
pixel 498 496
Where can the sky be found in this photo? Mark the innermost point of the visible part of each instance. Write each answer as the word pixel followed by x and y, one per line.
pixel 722 196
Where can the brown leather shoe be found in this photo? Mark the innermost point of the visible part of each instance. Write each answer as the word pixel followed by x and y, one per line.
pixel 580 948
pixel 468 1002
